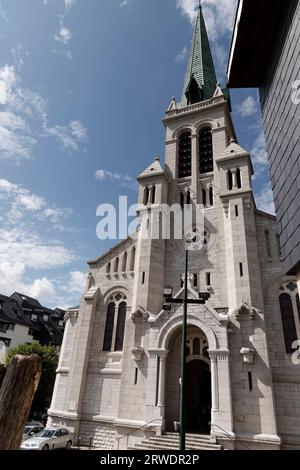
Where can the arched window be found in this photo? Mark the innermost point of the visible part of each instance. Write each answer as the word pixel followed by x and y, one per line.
pixel 196 346
pixel 132 259
pixel 288 321
pixel 194 93
pixel 229 180
pixel 185 155
pixel 116 268
pixel 146 196
pixel 109 327
pixel 124 262
pixel 211 196
pixel 120 327
pixel 206 161
pixel 108 268
pixel 153 194
pixel 238 178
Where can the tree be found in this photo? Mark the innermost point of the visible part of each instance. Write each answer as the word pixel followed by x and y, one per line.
pixel 49 356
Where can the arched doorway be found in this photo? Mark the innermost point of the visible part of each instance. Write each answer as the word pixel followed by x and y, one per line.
pixel 198 389
pixel 198 397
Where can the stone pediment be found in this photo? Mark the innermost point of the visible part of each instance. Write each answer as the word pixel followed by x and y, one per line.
pixel 205 311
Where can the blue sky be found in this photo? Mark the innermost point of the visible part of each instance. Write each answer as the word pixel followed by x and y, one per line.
pixel 83 87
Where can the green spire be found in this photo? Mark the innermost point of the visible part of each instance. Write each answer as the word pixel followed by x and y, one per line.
pixel 200 80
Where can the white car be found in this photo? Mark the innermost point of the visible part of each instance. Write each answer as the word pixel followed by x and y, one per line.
pixel 31 429
pixel 49 439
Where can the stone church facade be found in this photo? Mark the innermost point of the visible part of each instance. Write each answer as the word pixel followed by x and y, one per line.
pixel 119 371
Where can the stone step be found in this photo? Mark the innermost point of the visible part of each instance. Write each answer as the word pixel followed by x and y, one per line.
pixel 170 441
pixel 189 438
pixel 175 435
pixel 173 442
pixel 152 446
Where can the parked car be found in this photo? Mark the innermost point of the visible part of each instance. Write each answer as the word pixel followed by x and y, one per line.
pixel 31 429
pixel 49 439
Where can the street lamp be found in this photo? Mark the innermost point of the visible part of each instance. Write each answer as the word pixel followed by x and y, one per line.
pixel 203 297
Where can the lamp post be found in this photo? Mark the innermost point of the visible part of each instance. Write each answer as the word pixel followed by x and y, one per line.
pixel 183 358
pixel 203 297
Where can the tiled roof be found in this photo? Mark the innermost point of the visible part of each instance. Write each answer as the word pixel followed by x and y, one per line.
pixel 200 65
pixel 19 308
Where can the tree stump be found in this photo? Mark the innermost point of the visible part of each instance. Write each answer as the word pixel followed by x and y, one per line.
pixel 16 394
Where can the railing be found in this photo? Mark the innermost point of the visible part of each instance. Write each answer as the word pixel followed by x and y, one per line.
pixel 228 435
pixel 193 107
pixel 135 430
pixel 79 443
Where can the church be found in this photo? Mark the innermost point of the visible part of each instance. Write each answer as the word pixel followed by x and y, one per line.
pixel 118 379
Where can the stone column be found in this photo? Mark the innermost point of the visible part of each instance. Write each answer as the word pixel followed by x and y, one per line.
pixel 162 380
pixel 234 179
pixel 151 408
pixel 222 417
pixel 214 385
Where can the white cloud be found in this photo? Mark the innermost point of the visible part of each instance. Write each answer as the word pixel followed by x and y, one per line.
pixel 3 14
pixel 64 35
pixel 248 108
pixel 69 4
pixel 19 54
pixel 219 15
pixel 21 246
pixel 264 199
pixel 76 282
pixel 24 120
pixel 219 18
pixel 71 136
pixel 120 178
pixel 12 280
pixel 22 202
pixel 126 3
pixel 181 56
pixel 188 8
pixel 259 151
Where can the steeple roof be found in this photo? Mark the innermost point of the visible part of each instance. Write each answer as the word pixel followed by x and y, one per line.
pixel 200 80
pixel 152 170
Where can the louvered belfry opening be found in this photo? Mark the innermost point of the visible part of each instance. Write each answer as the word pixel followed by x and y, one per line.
pixel 185 155
pixel 206 162
pixel 194 94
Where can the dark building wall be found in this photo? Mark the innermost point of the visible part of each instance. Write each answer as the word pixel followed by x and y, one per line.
pixel 282 129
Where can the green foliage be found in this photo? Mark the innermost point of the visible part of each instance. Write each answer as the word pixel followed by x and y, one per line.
pixel 42 398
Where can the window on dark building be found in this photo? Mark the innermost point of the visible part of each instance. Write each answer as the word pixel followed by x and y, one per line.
pixel 229 180
pixel 185 155
pixel 206 162
pixel 238 178
pixel 288 321
pixel 120 327
pixel 109 327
